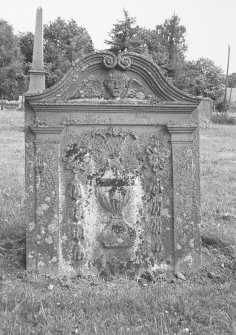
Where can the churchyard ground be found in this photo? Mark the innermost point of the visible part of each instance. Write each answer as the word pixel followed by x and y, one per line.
pixel 202 303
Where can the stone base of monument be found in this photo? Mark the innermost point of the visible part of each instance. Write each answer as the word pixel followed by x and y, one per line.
pixel 112 171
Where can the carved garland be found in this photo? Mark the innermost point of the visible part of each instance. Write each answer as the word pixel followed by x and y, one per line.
pixel 114 132
pixel 157 158
pixel 77 159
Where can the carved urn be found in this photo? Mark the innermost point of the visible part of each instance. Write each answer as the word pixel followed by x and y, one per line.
pixel 114 194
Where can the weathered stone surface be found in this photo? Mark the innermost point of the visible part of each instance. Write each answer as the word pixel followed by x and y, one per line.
pixel 112 171
pixel 205 109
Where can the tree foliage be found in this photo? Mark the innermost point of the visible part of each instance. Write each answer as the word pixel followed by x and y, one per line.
pixel 126 36
pixel 64 42
pixel 172 36
pixel 232 80
pixel 9 50
pixel 13 82
pixel 26 43
pixel 203 78
pixel 123 34
pixel 165 45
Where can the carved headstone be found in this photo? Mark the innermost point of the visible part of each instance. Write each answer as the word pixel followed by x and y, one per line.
pixel 112 171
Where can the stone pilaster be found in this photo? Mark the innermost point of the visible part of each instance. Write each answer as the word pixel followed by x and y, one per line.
pixel 37 73
pixel 45 230
pixel 185 200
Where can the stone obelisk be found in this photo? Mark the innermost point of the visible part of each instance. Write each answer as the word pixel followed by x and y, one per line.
pixel 37 73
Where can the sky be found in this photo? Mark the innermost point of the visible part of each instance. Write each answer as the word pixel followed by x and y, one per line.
pixel 210 24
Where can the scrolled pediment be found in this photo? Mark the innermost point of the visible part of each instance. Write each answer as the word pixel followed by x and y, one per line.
pixel 105 77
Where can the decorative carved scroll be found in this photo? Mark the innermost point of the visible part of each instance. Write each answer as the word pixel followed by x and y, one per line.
pixel 111 61
pixel 124 62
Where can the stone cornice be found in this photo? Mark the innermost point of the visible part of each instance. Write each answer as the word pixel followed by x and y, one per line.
pixel 52 134
pixel 181 129
pixel 37 72
pixel 181 134
pixel 46 130
pixel 166 108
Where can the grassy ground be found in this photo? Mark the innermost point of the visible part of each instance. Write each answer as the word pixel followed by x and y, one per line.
pixel 203 304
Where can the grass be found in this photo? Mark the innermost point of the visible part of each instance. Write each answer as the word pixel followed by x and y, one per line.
pixel 218 182
pixel 203 304
pixel 224 118
pixel 11 171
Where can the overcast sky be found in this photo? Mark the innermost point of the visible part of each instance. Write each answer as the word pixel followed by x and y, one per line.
pixel 210 24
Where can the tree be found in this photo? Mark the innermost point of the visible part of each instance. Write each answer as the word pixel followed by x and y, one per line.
pixel 13 82
pixel 232 80
pixel 203 78
pixel 172 36
pixel 9 50
pixel 122 35
pixel 149 43
pixel 64 42
pixel 26 44
pixel 165 45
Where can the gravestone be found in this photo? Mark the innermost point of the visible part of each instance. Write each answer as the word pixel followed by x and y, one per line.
pixel 112 171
